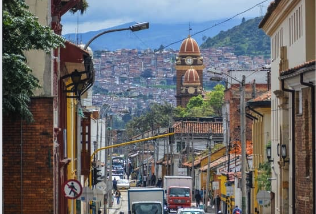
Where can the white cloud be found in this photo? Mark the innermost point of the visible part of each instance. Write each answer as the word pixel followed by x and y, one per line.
pixel 105 13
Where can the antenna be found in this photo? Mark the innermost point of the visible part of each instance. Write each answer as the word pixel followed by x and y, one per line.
pixel 77 38
pixel 261 9
pixel 190 29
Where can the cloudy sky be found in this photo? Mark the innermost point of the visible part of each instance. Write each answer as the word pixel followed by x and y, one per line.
pixel 108 13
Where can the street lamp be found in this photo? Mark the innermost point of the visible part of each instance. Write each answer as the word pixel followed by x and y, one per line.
pixel 133 28
pixel 242 135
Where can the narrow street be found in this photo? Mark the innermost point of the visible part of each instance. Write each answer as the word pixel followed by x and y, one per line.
pixel 122 207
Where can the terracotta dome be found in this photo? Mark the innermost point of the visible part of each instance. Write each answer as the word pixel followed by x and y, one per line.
pixel 191 78
pixel 189 47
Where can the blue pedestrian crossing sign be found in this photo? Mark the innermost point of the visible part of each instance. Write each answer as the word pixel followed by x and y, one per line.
pixel 72 189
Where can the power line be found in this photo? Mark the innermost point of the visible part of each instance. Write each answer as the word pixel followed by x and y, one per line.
pixel 218 23
pixel 140 40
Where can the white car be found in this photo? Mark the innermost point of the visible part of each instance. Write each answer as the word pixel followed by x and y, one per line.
pixel 123 184
pixel 193 210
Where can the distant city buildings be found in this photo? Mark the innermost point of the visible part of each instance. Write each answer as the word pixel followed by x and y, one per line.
pixel 132 79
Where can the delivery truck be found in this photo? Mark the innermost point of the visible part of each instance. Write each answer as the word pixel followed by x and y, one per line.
pixel 178 190
pixel 145 200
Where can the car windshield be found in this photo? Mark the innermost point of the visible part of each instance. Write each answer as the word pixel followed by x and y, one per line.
pixel 122 181
pixel 145 208
pixel 180 192
pixel 191 212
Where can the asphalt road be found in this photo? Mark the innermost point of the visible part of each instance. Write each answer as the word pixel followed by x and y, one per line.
pixel 122 207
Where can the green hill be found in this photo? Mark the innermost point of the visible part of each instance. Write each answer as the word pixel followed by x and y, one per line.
pixel 246 39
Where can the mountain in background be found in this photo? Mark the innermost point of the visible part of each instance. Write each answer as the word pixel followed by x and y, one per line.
pixel 154 37
pixel 246 39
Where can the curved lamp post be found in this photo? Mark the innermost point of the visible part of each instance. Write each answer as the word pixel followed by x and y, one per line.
pixel 133 28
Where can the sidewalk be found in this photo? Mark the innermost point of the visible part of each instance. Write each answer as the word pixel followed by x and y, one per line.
pixel 115 209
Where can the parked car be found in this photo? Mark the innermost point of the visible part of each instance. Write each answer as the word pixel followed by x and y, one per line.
pixel 123 184
pixel 132 183
pixel 193 210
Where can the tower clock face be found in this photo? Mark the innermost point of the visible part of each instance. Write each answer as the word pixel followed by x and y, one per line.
pixel 188 60
pixel 191 90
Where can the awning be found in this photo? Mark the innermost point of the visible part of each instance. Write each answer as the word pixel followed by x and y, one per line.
pixel 218 162
pixel 196 162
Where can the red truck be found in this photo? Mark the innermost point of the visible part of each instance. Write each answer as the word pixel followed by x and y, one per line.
pixel 178 191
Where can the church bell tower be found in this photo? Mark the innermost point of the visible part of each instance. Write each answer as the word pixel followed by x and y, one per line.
pixel 189 67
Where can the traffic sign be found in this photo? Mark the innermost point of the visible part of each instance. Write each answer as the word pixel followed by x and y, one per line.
pixel 215 185
pixel 263 197
pixel 229 190
pixel 72 189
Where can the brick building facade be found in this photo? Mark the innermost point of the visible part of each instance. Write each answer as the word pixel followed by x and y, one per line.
pixel 28 184
pixel 304 158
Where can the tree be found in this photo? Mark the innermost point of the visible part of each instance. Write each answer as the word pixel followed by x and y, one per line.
pixel 81 6
pixel 22 32
pixel 216 99
pixel 197 107
pixel 156 116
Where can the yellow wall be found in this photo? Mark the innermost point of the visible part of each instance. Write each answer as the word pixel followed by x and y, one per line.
pixel 214 156
pixel 71 144
pixel 261 130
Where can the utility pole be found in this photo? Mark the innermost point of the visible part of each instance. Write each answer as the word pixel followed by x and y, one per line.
pixel 192 155
pixel 242 137
pixel 208 168
pixel 243 144
pixel 110 155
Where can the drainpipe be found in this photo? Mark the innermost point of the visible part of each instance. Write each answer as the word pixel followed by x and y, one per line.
pixel 313 132
pixel 293 142
pixel 21 166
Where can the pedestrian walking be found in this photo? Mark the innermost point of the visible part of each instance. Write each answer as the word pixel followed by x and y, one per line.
pixel 153 179
pixel 218 203
pixel 159 183
pixel 144 180
pixel 115 184
pixel 118 196
pixel 198 198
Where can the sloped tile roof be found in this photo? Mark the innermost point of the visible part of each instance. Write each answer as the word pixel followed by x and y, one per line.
pixel 217 162
pixel 310 65
pixel 198 127
pixel 196 162
pixel 264 97
pixel 263 100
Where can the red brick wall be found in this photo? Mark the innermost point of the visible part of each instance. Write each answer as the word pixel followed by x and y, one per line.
pixel 36 176
pixel 303 156
pixel 233 96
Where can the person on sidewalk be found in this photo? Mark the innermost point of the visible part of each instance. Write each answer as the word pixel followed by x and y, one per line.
pixel 217 203
pixel 153 179
pixel 144 180
pixel 237 210
pixel 198 198
pixel 118 196
pixel 115 184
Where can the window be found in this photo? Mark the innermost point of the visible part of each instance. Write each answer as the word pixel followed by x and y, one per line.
pixel 295 26
pixel 298 102
pixel 180 146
